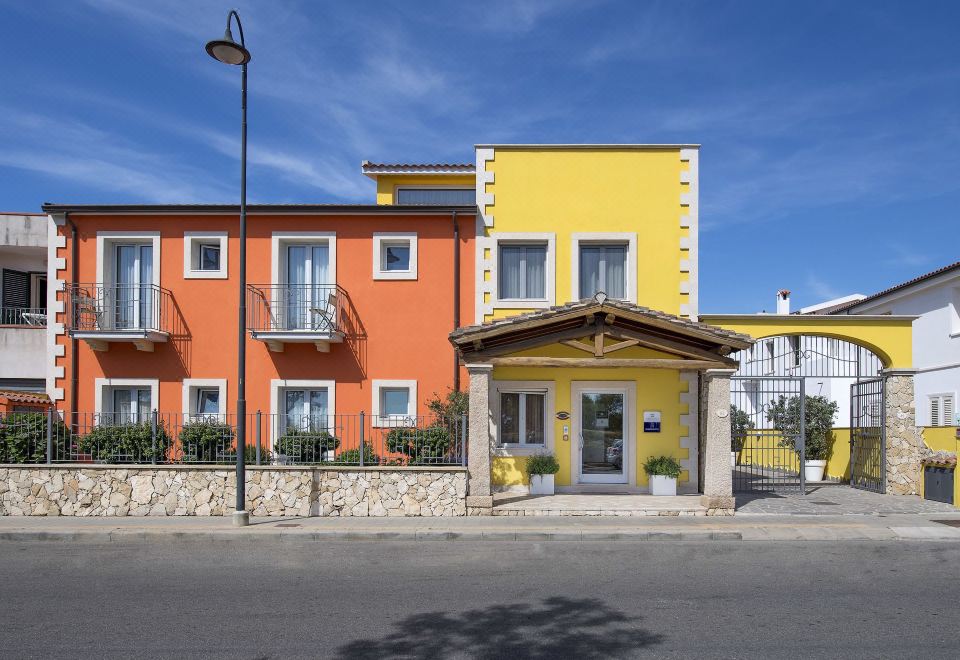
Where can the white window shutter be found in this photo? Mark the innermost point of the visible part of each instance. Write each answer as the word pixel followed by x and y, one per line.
pixel 947 410
pixel 935 411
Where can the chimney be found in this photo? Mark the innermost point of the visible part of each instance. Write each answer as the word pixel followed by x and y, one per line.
pixel 783 301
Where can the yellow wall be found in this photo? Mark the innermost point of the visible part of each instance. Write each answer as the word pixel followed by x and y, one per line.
pixel 564 191
pixel 387 184
pixel 757 452
pixel 941 438
pixel 891 338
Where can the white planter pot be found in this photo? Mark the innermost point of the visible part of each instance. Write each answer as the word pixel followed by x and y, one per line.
pixel 541 484
pixel 661 485
pixel 733 459
pixel 813 470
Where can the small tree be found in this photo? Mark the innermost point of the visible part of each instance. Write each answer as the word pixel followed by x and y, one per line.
pixel 740 425
pixel 819 414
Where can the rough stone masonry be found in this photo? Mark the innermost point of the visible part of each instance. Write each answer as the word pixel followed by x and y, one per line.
pixel 211 491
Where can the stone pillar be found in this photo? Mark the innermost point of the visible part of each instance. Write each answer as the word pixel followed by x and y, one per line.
pixel 479 494
pixel 717 475
pixel 904 442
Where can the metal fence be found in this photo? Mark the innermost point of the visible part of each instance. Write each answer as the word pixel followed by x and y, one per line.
pixel 23 316
pixel 119 307
pixel 165 438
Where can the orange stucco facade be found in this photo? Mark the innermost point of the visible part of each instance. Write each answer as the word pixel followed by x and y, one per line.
pixel 405 322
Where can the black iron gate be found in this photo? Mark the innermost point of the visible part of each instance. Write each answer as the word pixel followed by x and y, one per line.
pixel 767 417
pixel 868 436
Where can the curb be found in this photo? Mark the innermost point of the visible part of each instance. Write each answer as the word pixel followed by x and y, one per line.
pixel 119 535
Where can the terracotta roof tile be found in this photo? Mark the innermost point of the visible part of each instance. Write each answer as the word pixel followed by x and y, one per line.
pixel 897 287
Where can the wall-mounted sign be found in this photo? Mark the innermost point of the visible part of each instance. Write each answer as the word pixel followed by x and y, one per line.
pixel 602 419
pixel 563 414
pixel 651 421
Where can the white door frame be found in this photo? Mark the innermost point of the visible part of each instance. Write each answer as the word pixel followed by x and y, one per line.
pixel 629 391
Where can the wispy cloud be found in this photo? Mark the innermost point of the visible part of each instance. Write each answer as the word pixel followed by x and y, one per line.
pixel 899 255
pixel 821 289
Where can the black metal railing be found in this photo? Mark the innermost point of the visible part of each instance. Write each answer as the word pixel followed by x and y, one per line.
pixel 309 308
pixel 35 317
pixel 119 308
pixel 272 439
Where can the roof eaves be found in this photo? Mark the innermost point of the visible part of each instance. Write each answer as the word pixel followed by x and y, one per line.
pixel 898 287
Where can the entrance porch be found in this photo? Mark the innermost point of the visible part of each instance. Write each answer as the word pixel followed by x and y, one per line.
pixel 603 386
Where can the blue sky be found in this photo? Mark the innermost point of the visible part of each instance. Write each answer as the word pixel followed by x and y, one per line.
pixel 830 131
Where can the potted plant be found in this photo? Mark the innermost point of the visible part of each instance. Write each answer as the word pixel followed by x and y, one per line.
pixel 663 472
pixel 542 468
pixel 740 425
pixel 819 414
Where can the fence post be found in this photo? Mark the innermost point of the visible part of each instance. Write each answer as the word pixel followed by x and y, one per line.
pixel 153 437
pixel 362 435
pixel 258 437
pixel 803 437
pixel 49 436
pixel 463 440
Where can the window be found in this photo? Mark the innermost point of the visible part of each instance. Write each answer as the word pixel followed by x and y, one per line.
pixel 437 196
pixel 394 256
pixel 942 410
pixel 125 401
pixel 208 401
pixel 795 353
pixel 394 402
pixel 522 272
pixel 306 410
pixel 308 292
pixel 768 356
pixel 205 255
pixel 204 397
pixel 522 418
pixel 131 405
pixel 23 297
pixel 209 256
pixel 603 268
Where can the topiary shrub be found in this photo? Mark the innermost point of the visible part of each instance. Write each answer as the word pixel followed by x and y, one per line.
pixel 352 456
pixel 126 443
pixel 206 441
pixel 542 464
pixel 665 466
pixel 420 445
pixel 305 446
pixel 23 438
pixel 819 413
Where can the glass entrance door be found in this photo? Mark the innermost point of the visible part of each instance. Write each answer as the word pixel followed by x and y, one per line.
pixel 603 443
pixel 308 287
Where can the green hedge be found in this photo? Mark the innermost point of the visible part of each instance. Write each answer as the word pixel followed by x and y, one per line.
pixel 126 443
pixel 206 441
pixel 23 438
pixel 420 446
pixel 302 446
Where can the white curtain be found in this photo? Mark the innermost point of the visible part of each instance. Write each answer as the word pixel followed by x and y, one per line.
pixel 318 410
pixel 615 276
pixel 591 260
pixel 296 292
pixel 126 283
pixel 522 272
pixel 511 285
pixel 146 290
pixel 603 268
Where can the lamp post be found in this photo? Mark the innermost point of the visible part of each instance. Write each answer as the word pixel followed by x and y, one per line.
pixel 228 51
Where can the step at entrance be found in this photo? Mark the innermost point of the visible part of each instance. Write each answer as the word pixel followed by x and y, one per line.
pixel 597 505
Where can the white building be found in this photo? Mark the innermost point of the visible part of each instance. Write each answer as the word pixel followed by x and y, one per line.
pixel 935 299
pixel 23 301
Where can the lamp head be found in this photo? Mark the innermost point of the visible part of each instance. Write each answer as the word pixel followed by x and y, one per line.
pixel 227 50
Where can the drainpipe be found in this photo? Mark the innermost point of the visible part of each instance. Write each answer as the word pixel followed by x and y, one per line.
pixel 456 297
pixel 74 342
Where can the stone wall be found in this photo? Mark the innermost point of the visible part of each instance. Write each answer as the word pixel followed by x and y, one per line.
pixel 905 446
pixel 211 491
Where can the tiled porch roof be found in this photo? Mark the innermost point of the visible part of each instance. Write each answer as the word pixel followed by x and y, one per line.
pixel 24 397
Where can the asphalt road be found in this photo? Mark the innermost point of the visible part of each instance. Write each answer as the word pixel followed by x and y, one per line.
pixel 368 599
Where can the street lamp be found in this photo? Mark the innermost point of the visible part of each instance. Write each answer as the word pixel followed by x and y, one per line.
pixel 228 51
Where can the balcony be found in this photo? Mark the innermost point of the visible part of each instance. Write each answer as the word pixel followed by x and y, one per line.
pixel 23 317
pixel 101 314
pixel 280 314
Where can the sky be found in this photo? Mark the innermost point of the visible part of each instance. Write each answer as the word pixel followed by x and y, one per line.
pixel 831 130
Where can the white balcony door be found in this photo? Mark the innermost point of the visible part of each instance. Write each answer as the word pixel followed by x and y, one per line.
pixel 308 286
pixel 133 293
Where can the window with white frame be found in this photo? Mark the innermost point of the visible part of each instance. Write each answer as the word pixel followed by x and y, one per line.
pixel 522 418
pixel 522 271
pixel 394 402
pixel 437 196
pixel 769 356
pixel 603 268
pixel 204 397
pixel 205 255
pixel 394 256
pixel 305 409
pixel 124 401
pixel 942 410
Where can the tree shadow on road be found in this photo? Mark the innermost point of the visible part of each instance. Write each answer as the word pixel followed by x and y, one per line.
pixel 559 627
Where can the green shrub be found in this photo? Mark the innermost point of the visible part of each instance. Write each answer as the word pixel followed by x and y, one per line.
pixel 249 456
pixel 819 413
pixel 352 456
pixel 740 425
pixel 451 410
pixel 665 466
pixel 420 445
pixel 206 441
pixel 126 443
pixel 542 464
pixel 23 438
pixel 305 446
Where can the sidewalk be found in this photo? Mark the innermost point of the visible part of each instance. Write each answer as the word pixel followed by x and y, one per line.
pixel 736 528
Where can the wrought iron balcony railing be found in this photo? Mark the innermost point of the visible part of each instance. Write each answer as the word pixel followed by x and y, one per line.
pixel 35 317
pixel 315 309
pixel 118 308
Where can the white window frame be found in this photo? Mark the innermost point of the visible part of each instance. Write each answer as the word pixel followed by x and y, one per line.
pixel 192 385
pixel 941 420
pixel 525 238
pixel 107 256
pixel 102 403
pixel 279 385
pixel 545 387
pixel 278 252
pixel 606 238
pixel 380 239
pixel 192 240
pixel 394 420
